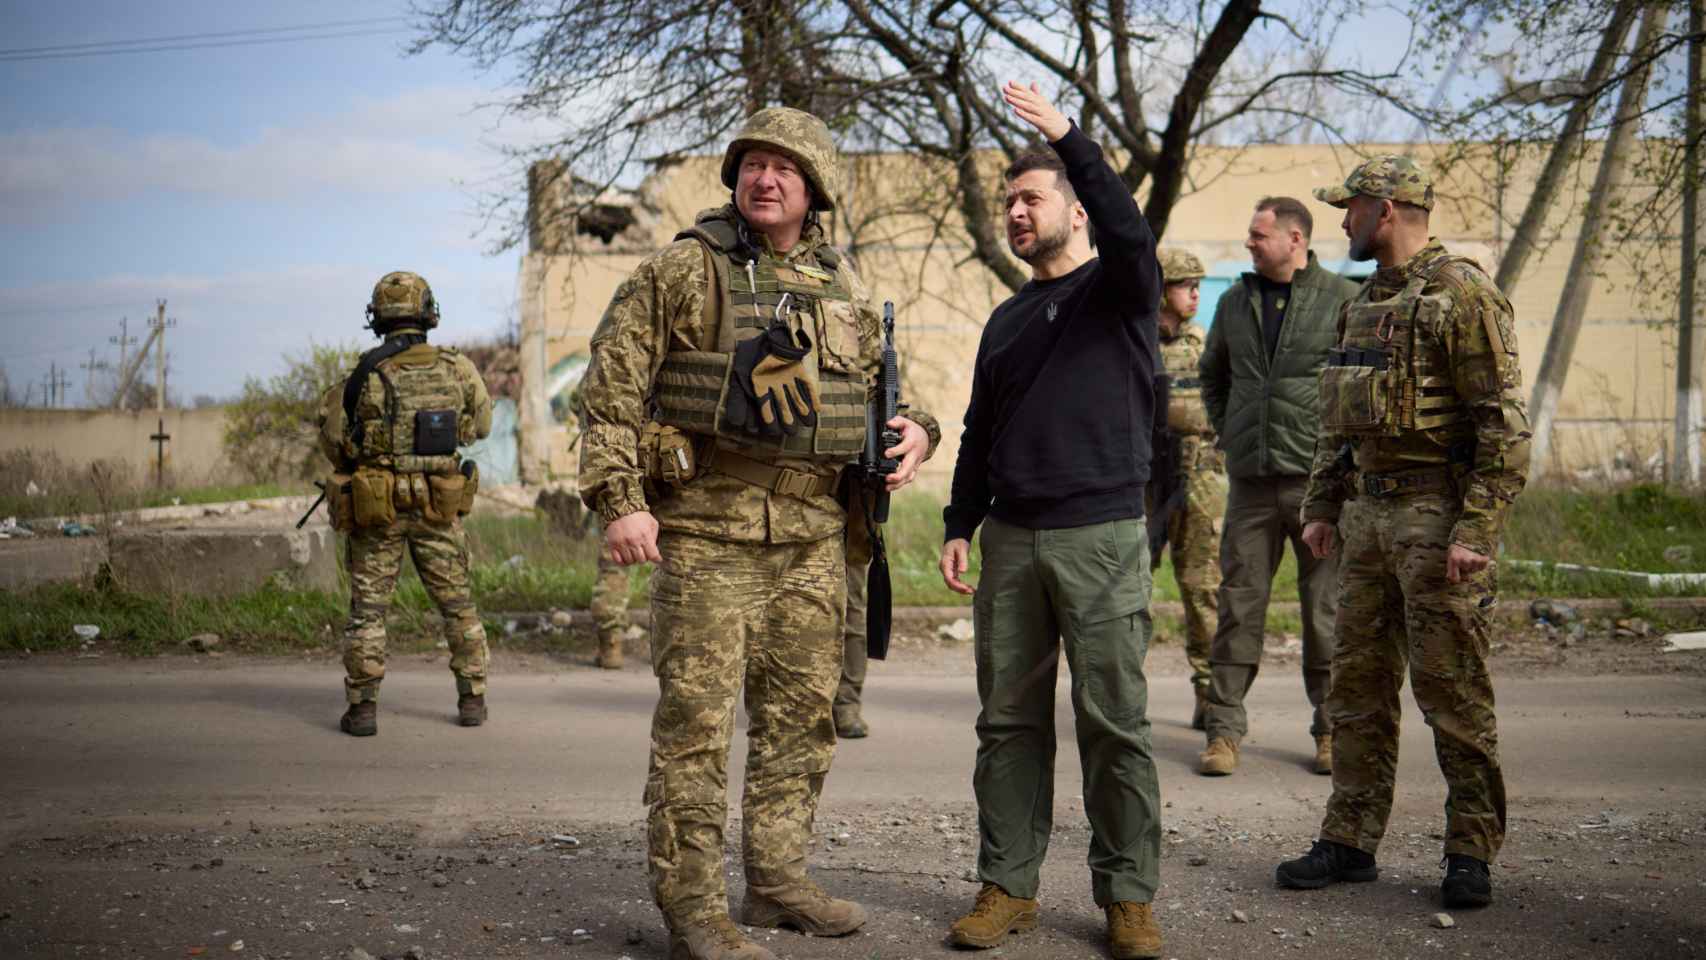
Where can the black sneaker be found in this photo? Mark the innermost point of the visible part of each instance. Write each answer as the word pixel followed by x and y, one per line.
pixel 1327 862
pixel 1466 882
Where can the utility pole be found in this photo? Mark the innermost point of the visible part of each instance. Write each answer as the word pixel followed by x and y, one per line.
pixel 93 366
pixel 1685 451
pixel 1578 284
pixel 124 340
pixel 160 323
pixel 54 392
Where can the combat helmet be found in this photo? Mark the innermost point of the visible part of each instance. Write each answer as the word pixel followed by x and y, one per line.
pixel 1180 265
pixel 402 299
pixel 799 135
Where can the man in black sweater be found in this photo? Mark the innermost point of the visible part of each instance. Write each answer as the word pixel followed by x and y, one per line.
pixel 1052 464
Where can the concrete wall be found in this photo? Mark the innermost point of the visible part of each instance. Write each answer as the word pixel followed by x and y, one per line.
pixel 194 454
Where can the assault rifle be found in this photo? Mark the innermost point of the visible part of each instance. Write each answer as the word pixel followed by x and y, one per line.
pixel 1166 473
pixel 313 506
pixel 874 469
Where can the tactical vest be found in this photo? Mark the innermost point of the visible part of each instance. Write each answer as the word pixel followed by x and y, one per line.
pixel 1186 412
pixel 1389 375
pixel 409 416
pixel 692 386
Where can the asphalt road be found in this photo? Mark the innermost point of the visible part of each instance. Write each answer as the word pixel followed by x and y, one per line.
pixel 170 759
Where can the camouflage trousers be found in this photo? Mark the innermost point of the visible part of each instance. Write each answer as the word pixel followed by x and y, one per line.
pixel 375 557
pixel 1193 538
pixel 850 695
pixel 725 614
pixel 1398 611
pixel 609 593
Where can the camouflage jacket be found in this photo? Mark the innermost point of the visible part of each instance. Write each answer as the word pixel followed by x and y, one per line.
pixel 1476 343
pixel 661 307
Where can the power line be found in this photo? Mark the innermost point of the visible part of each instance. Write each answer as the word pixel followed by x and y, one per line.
pixel 201 36
pixel 167 48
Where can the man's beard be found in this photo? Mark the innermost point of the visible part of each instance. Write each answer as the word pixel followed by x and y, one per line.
pixel 1045 244
pixel 1362 247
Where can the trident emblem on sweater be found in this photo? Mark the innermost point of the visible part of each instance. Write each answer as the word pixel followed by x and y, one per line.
pixel 1053 311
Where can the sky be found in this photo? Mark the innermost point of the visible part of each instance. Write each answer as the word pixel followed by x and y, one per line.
pixel 259 189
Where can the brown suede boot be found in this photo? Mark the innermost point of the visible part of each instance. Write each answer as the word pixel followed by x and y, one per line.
pixel 802 906
pixel 471 709
pixel 1199 715
pixel 714 939
pixel 993 918
pixel 1220 759
pixel 610 650
pixel 1132 931
pixel 1324 754
pixel 361 719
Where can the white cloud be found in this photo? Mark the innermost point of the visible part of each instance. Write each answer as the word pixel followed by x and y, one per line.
pixel 427 139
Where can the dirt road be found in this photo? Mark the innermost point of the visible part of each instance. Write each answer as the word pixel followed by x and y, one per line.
pixel 180 807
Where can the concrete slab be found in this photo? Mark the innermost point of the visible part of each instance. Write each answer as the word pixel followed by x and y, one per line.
pixel 222 561
pixel 49 559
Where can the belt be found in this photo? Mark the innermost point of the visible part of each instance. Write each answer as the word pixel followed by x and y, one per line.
pixel 794 483
pixel 1409 482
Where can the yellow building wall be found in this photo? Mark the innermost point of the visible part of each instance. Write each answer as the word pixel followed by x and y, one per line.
pixel 1616 406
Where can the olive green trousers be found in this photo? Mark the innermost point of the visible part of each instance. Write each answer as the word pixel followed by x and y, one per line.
pixel 1084 590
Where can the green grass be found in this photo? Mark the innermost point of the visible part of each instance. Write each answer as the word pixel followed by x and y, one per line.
pixel 88 500
pixel 520 565
pixel 268 619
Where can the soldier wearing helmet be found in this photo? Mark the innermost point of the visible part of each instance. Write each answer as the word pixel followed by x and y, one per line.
pixel 1193 523
pixel 391 431
pixel 726 391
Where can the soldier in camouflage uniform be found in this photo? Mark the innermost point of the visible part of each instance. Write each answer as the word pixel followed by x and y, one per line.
pixel 391 431
pixel 1424 446
pixel 1193 530
pixel 755 347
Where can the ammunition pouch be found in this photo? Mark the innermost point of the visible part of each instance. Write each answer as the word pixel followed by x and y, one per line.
pixel 371 497
pixel 446 493
pixel 1186 413
pixel 666 454
pixel 340 502
pixel 1356 396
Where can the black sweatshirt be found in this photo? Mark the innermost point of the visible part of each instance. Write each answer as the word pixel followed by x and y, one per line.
pixel 1057 433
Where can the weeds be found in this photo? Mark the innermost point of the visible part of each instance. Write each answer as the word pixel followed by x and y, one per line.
pixel 521 565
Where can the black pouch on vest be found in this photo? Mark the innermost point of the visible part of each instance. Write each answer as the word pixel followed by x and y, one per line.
pixel 435 433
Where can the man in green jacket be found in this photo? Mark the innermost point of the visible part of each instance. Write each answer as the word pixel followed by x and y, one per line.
pixel 1269 341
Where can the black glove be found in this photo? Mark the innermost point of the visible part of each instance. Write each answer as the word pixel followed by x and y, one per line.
pixel 771 391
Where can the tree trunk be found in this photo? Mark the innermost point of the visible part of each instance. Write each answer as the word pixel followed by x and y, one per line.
pixel 1578 285
pixel 1685 452
pixel 1564 149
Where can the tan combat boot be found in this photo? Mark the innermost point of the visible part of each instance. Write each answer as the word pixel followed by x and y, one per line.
pixel 993 918
pixel 1220 759
pixel 361 719
pixel 714 939
pixel 1324 754
pixel 610 650
pixel 801 905
pixel 1132 931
